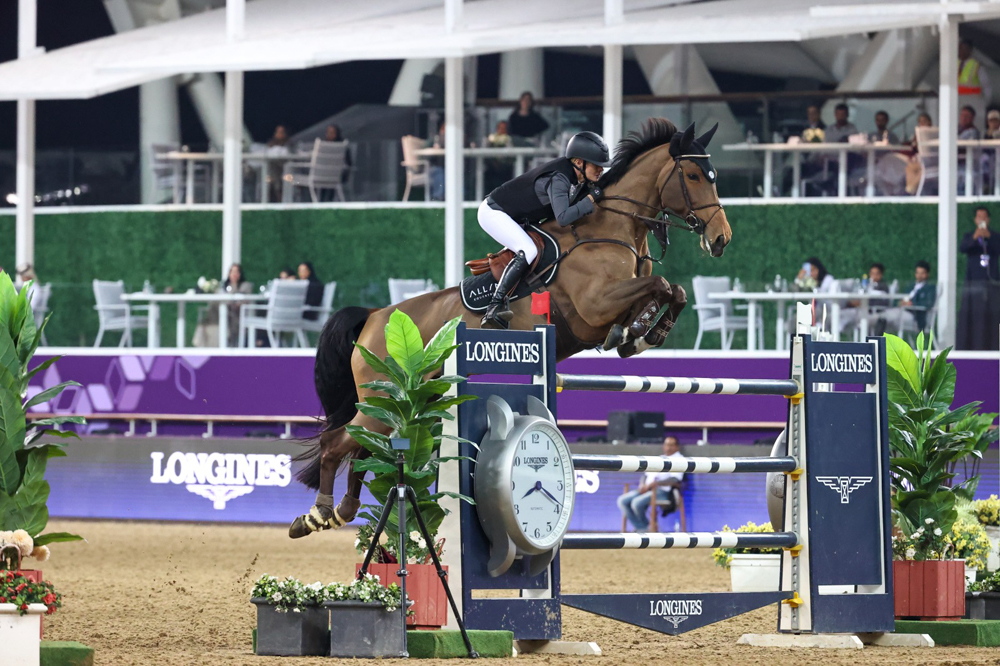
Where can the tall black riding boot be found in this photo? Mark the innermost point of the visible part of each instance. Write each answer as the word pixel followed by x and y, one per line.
pixel 498 312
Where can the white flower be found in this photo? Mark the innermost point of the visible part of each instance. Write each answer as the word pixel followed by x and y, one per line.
pixel 928 520
pixel 40 553
pixel 910 552
pixel 23 541
pixel 276 597
pixel 316 586
pixel 937 531
pixel 296 610
pixel 918 533
pixel 415 536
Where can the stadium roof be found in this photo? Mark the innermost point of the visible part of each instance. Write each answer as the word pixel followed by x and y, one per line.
pixel 299 34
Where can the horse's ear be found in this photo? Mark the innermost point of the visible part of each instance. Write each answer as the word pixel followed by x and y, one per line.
pixel 707 136
pixel 680 144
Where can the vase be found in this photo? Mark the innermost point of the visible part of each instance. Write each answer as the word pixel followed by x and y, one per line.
pixel 291 634
pixel 970 576
pixel 35 576
pixel 982 605
pixel 363 629
pixel 929 590
pixel 993 561
pixel 754 572
pixel 423 588
pixel 19 634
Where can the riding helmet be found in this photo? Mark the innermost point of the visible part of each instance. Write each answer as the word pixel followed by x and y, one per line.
pixel 589 147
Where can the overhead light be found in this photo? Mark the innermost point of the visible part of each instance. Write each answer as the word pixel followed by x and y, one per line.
pixel 12 199
pixel 76 190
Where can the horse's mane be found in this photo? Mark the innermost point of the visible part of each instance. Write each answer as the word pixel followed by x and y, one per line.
pixel 655 132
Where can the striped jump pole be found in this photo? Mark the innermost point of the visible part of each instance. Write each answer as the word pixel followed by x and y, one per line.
pixel 640 384
pixel 612 541
pixel 613 463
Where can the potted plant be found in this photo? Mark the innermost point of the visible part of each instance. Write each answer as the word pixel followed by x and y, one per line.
pixel 982 601
pixel 751 569
pixel 411 405
pixel 23 601
pixel 364 618
pixel 927 441
pixel 291 621
pixel 970 543
pixel 987 512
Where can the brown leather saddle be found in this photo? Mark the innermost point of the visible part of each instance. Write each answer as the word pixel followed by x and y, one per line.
pixel 495 263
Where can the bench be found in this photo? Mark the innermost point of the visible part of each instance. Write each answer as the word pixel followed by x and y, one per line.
pixel 208 419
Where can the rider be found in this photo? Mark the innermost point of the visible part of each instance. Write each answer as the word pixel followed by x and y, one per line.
pixel 550 191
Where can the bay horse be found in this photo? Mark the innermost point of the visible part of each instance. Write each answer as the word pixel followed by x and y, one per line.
pixel 603 284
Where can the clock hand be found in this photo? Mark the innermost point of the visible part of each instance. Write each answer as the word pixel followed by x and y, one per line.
pixel 537 486
pixel 549 495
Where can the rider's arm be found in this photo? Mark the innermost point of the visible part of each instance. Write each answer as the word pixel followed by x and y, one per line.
pixel 559 196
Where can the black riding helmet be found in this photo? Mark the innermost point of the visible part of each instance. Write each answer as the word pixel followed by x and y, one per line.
pixel 589 147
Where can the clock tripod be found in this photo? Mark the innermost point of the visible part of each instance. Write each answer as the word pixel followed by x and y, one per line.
pixel 402 495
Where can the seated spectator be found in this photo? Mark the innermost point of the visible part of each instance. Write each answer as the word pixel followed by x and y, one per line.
pixel 634 503
pixel 314 293
pixel 24 273
pixel 921 294
pixel 498 170
pixel 967 130
pixel 814 119
pixel 882 133
pixel 852 312
pixel 276 145
pixel 524 121
pixel 992 125
pixel 914 169
pixel 842 128
pixel 436 169
pixel 287 274
pixel 500 138
pixel 333 133
pixel 206 333
pixel 989 156
pixel 279 138
pixel 813 276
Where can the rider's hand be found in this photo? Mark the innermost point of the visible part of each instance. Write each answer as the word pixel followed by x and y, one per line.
pixel 596 193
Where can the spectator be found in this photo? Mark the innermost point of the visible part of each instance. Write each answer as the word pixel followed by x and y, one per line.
pixel 286 274
pixel 992 124
pixel 851 315
pixel 333 133
pixel 500 138
pixel 437 168
pixel 974 87
pixel 967 123
pixel 813 276
pixel 498 169
pixel 314 294
pixel 921 294
pixel 841 129
pixel 882 133
pixel 634 503
pixel 813 118
pixel 206 333
pixel 24 272
pixel 524 121
pixel 914 168
pixel 280 137
pixel 979 316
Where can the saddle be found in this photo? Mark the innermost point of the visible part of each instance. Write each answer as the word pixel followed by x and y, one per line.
pixel 495 263
pixel 477 289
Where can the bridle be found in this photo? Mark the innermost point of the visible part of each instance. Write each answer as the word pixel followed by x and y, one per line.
pixel 689 222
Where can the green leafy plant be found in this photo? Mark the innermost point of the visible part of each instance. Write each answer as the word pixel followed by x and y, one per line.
pixel 412 404
pixel 926 542
pixel 724 556
pixel 928 439
pixel 292 595
pixel 989 583
pixel 24 492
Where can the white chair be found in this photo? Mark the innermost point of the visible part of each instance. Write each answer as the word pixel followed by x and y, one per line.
pixel 401 290
pixel 718 314
pixel 417 170
pixel 325 171
pixel 114 314
pixel 928 155
pixel 283 314
pixel 324 309
pixel 39 296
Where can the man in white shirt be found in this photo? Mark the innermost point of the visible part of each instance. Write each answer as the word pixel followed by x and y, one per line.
pixel 634 503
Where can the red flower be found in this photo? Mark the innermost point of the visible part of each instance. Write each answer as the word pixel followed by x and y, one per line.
pixel 24 606
pixel 51 610
pixel 3 600
pixel 48 598
pixel 20 587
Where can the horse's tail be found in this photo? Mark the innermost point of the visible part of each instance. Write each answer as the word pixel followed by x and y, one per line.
pixel 334 383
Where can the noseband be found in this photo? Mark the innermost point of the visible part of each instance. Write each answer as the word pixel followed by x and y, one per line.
pixel 689 222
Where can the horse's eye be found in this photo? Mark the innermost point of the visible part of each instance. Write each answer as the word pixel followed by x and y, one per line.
pixel 693 176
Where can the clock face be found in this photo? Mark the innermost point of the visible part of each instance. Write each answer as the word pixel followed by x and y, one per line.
pixel 542 485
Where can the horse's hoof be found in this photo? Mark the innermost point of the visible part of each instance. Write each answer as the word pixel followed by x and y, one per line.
pixel 615 337
pixel 318 519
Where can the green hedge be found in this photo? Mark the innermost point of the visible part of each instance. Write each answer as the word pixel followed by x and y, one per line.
pixel 360 249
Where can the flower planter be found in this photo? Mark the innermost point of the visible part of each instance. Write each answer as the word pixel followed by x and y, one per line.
pixel 752 572
pixel 970 576
pixel 361 629
pixel 993 561
pixel 291 634
pixel 35 576
pixel 423 588
pixel 982 605
pixel 929 590
pixel 19 634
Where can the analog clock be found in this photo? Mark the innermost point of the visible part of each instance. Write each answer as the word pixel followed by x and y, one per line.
pixel 524 485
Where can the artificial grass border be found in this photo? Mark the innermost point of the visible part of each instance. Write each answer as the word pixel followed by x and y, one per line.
pixel 981 633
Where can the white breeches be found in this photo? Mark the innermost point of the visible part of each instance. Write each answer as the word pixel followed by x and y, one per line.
pixel 505 230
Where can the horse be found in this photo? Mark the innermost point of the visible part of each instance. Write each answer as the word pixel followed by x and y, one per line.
pixel 603 284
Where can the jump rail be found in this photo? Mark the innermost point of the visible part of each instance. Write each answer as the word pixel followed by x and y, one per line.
pixel 611 463
pixel 611 541
pixel 706 386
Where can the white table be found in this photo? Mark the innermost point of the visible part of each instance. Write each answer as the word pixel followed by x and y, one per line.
pixel 260 161
pixel 181 300
pixel 835 298
pixel 518 153
pixel 797 149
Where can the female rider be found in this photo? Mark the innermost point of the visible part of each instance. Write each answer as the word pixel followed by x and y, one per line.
pixel 550 191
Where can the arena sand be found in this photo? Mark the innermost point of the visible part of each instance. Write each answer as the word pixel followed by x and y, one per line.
pixel 167 593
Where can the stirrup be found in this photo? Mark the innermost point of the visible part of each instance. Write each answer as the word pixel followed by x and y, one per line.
pixel 318 519
pixel 497 315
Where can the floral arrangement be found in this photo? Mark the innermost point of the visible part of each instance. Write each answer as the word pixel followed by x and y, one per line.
pixel 388 550
pixel 724 556
pixel 927 542
pixel 991 583
pixel 18 590
pixel 292 595
pixel 969 542
pixel 987 511
pixel 207 286
pixel 16 545
pixel 814 135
